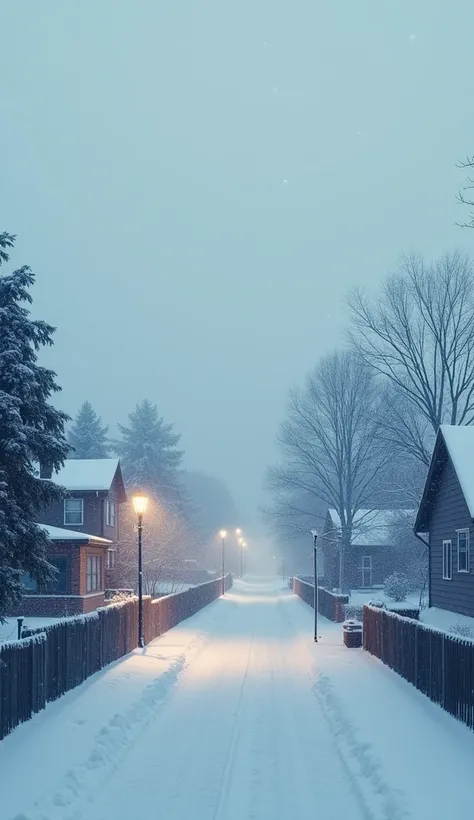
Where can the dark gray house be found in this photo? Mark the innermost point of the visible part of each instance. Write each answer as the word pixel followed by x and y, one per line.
pixel 372 555
pixel 446 518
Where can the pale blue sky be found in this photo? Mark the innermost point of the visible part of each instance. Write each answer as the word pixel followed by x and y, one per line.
pixel 145 148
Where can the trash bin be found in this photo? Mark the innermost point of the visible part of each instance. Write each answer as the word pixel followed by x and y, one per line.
pixel 352 634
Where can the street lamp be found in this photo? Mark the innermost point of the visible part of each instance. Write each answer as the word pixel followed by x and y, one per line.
pixel 140 503
pixel 315 599
pixel 238 531
pixel 243 544
pixel 223 534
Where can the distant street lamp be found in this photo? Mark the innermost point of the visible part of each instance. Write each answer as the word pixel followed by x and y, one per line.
pixel 140 503
pixel 223 534
pixel 243 544
pixel 315 599
pixel 238 531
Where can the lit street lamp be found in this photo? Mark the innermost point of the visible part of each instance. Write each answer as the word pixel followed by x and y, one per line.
pixel 223 534
pixel 140 503
pixel 315 599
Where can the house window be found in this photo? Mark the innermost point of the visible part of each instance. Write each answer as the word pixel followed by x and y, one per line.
pixel 110 513
pixel 111 558
pixel 463 550
pixel 447 560
pixel 60 583
pixel 29 583
pixel 366 570
pixel 74 511
pixel 94 573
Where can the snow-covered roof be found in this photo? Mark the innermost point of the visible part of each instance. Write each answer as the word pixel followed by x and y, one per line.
pixel 459 441
pixel 372 527
pixel 87 473
pixel 60 534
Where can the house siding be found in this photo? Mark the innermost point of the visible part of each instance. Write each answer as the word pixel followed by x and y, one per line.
pixel 385 560
pixel 94 514
pixel 450 513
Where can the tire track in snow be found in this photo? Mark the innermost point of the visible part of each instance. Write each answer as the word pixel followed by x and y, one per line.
pixel 363 768
pixel 113 742
pixel 234 739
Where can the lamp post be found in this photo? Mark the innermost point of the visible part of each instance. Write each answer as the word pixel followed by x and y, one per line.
pixel 140 503
pixel 315 599
pixel 223 534
pixel 243 544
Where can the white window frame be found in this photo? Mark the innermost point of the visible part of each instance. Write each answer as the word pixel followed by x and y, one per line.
pixel 111 558
pixel 73 523
pixel 464 531
pixel 447 566
pixel 365 569
pixel 93 573
pixel 110 512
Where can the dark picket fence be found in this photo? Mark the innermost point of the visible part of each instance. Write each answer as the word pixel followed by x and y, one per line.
pixel 330 604
pixel 50 661
pixel 439 665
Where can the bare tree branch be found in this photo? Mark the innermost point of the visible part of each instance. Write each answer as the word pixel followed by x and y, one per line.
pixel 463 196
pixel 330 444
pixel 419 336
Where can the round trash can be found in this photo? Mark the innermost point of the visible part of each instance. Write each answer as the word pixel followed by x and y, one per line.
pixel 352 634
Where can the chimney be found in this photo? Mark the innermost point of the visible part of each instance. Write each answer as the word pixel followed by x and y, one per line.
pixel 46 469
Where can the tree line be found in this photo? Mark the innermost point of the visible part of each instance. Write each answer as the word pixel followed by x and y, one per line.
pixel 184 514
pixel 358 435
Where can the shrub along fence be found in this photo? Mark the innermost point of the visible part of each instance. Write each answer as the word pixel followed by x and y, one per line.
pixel 439 665
pixel 330 604
pixel 50 661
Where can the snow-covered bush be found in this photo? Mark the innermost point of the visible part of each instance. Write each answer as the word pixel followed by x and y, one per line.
pixel 397 586
pixel 462 630
pixel 353 612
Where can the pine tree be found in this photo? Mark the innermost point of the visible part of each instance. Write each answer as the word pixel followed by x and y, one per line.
pixel 148 453
pixel 87 436
pixel 31 431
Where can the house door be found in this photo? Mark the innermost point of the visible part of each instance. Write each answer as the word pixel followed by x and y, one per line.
pixel 366 570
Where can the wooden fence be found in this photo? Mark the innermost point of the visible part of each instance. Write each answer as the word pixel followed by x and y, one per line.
pixel 50 661
pixel 330 604
pixel 439 665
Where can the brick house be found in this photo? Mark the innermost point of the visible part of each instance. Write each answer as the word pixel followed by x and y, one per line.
pixel 372 556
pixel 80 561
pixel 84 529
pixel 95 492
pixel 446 520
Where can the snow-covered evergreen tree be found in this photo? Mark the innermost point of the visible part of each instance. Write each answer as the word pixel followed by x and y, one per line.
pixel 31 431
pixel 148 453
pixel 87 436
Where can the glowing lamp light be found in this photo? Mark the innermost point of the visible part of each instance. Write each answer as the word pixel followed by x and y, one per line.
pixel 223 533
pixel 140 503
pixel 238 531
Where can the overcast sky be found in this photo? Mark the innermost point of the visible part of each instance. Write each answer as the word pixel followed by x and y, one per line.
pixel 197 184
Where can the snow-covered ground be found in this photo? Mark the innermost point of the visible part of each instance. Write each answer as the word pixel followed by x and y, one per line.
pixel 449 622
pixel 9 629
pixel 237 714
pixel 170 587
pixel 359 597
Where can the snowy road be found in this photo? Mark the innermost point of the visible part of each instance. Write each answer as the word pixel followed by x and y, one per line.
pixel 237 715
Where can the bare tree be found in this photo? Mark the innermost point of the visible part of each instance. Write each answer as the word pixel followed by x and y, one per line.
pixel 419 336
pixel 165 536
pixel 331 451
pixel 465 197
